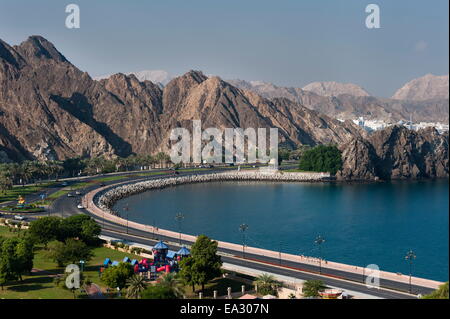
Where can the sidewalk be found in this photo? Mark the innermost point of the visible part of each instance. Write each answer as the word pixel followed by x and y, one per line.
pixel 88 198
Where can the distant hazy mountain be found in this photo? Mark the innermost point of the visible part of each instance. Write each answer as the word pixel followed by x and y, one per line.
pixel 335 89
pixel 349 106
pixel 155 76
pixel 427 87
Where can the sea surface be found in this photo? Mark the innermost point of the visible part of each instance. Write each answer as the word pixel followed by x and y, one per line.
pixel 361 223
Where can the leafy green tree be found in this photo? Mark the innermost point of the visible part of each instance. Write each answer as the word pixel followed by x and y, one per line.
pixel 80 226
pixel 136 285
pixel 322 158
pixel 73 165
pixel 283 154
pixel 204 263
pixel 311 288
pixel 16 258
pixel 45 229
pixel 187 272
pixel 267 285
pixel 90 231
pixel 72 251
pixel 117 276
pixel 440 293
pixel 158 291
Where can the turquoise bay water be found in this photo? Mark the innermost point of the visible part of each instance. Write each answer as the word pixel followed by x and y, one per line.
pixel 361 223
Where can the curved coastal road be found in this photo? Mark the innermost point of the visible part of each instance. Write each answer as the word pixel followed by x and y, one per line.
pixel 66 206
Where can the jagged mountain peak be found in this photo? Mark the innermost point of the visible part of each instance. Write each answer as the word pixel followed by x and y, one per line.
pixel 38 47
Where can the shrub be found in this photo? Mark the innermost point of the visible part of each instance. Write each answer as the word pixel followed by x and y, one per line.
pixel 311 288
pixel 321 158
pixel 440 293
pixel 72 251
pixel 117 276
pixel 158 291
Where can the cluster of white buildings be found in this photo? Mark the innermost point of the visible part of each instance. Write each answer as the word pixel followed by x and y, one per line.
pixel 375 125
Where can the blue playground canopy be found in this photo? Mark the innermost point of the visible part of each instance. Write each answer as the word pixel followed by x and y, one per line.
pixel 160 246
pixel 183 252
pixel 126 260
pixel 114 263
pixel 134 262
pixel 170 254
pixel 107 262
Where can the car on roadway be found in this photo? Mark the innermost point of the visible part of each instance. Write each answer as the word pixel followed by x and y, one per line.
pixel 79 206
pixel 64 184
pixel 18 217
pixel 78 193
pixel 69 195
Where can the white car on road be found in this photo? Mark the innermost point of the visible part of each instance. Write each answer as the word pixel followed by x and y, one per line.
pixel 79 206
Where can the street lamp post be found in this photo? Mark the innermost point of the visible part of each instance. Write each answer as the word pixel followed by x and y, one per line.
pixel 410 256
pixel 319 241
pixel 279 252
pixel 179 217
pixel 243 228
pixel 126 209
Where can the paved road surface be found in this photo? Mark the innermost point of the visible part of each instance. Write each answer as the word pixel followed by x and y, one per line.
pixel 66 206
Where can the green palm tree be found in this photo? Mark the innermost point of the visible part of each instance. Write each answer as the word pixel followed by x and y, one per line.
pixel 26 172
pixel 172 281
pixel 267 285
pixel 136 285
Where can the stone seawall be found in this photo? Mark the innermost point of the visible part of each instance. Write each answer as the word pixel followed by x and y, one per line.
pixel 108 196
pixel 107 199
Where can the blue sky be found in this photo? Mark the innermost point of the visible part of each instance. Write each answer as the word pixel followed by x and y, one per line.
pixel 286 42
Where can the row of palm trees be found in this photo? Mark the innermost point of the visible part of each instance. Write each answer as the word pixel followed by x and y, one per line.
pixel 28 171
pixel 36 171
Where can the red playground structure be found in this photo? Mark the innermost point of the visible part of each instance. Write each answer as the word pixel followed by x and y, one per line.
pixel 164 260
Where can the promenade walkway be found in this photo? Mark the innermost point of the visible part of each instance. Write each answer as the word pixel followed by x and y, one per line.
pixel 92 208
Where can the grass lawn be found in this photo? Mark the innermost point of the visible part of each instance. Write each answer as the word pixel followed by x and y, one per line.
pixel 67 190
pixel 111 178
pixel 40 284
pixel 5 232
pixel 13 194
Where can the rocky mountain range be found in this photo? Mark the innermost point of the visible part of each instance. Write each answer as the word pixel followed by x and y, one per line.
pixel 49 109
pixel 346 106
pixel 396 153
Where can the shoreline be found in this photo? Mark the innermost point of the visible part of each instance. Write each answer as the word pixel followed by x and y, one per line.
pixel 110 197
pixel 106 213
